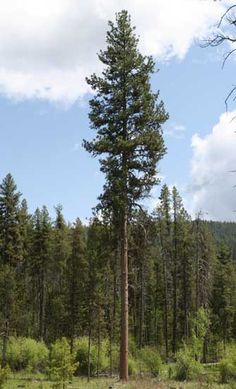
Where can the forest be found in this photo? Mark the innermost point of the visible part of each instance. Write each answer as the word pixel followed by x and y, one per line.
pixel 149 295
pixel 60 285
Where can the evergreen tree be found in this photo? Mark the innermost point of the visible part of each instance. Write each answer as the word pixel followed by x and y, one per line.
pixel 24 295
pixel 39 269
pixel 223 300
pixel 10 238
pixel 11 256
pixel 204 260
pixel 77 270
pixel 165 233
pixel 61 250
pixel 127 118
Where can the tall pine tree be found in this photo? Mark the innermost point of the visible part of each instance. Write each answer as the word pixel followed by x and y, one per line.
pixel 128 119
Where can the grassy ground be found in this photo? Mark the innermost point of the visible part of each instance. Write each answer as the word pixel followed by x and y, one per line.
pixel 27 382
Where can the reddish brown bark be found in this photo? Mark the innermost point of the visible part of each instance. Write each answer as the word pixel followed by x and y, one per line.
pixel 124 301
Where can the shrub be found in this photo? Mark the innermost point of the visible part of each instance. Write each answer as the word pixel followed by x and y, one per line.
pixel 227 365
pixel 27 353
pixel 150 360
pixel 187 367
pixel 4 373
pixel 133 350
pixel 62 365
pixel 14 354
pixel 34 355
pixel 81 356
pixel 133 367
pixel 115 356
pixel 200 323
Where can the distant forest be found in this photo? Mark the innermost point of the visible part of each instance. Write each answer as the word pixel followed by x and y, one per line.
pixel 63 279
pixel 224 232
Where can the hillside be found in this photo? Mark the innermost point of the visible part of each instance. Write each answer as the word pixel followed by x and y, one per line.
pixel 224 231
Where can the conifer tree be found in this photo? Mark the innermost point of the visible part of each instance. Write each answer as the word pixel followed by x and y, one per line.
pixel 165 232
pixel 128 119
pixel 11 253
pixel 39 267
pixel 223 300
pixel 10 238
pixel 76 281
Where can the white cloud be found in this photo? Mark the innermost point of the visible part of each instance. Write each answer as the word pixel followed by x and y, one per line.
pixel 176 131
pixel 47 47
pixel 214 157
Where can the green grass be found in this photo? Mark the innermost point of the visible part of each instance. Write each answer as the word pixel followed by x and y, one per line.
pixel 38 381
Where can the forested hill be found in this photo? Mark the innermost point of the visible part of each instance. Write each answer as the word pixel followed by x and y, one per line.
pixel 224 231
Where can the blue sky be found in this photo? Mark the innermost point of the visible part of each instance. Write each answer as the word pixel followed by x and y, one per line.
pixel 42 127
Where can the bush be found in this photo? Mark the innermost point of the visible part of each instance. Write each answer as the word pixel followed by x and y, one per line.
pixel 81 356
pixel 4 373
pixel 187 367
pixel 27 353
pixel 133 350
pixel 133 367
pixel 150 361
pixel 227 365
pixel 62 365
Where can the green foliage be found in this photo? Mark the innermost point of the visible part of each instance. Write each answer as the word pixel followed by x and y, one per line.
pixel 62 364
pixel 145 360
pixel 133 349
pixel 133 366
pixel 127 116
pixel 200 325
pixel 4 374
pixel 150 360
pixel 10 238
pixel 187 368
pixel 26 353
pixel 81 356
pixel 227 365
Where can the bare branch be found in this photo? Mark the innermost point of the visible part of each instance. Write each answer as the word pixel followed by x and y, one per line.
pixel 228 96
pixel 227 56
pixel 226 13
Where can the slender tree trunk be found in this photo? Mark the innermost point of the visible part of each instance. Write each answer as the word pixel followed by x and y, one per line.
pixel 4 344
pixel 174 313
pixel 98 344
pixel 204 350
pixel 113 314
pixel 165 308
pixel 197 277
pixel 175 287
pixel 110 351
pixel 185 297
pixel 89 351
pixel 124 300
pixel 42 307
pixel 141 313
pixel 72 318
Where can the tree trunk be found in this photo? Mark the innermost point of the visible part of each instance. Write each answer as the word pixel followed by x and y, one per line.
pixel 124 300
pixel 175 287
pixel 42 306
pixel 165 308
pixel 89 351
pixel 185 297
pixel 98 344
pixel 197 277
pixel 141 309
pixel 4 345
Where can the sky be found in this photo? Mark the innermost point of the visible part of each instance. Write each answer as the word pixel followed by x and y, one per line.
pixel 47 48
